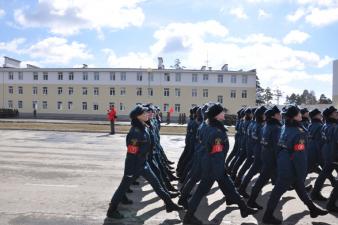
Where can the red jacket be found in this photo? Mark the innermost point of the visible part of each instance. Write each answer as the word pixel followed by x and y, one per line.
pixel 112 115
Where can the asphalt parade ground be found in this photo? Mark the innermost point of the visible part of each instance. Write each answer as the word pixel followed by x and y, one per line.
pixel 68 178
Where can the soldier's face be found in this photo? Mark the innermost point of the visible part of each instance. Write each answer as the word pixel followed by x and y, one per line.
pixel 143 117
pixel 335 115
pixel 298 117
pixel 278 116
pixel 220 117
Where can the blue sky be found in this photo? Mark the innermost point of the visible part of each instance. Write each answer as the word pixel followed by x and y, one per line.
pixel 291 43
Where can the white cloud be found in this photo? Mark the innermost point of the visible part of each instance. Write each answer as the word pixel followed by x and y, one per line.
pixel 253 39
pixel 2 12
pixel 132 59
pixel 55 50
pixel 69 17
pixel 322 17
pixel 239 13
pixel 296 15
pixel 295 37
pixel 263 14
pixel 13 45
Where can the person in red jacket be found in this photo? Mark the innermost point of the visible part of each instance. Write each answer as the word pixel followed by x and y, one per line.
pixel 112 117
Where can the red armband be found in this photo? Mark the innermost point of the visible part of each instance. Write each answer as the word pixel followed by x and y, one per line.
pixel 299 147
pixel 132 149
pixel 217 148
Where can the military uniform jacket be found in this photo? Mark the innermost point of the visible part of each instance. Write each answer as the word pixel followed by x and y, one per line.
pixel 270 136
pixel 138 143
pixel 256 136
pixel 329 140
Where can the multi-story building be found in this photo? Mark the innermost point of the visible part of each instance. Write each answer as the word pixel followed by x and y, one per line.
pixel 335 83
pixel 88 92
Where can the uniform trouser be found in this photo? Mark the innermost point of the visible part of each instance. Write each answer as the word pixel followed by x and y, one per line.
pixel 239 161
pixel 127 180
pixel 254 169
pixel 112 127
pixel 204 187
pixel 232 153
pixel 281 187
pixel 326 172
pixel 182 160
pixel 268 172
pixel 193 177
pixel 247 164
pixel 161 177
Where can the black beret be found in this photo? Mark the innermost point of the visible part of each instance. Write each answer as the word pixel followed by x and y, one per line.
pixel 275 109
pixel 214 110
pixel 260 111
pixel 248 111
pixel 138 110
pixel 328 111
pixel 150 107
pixel 304 110
pixel 292 111
pixel 314 112
pixel 194 109
pixel 239 111
pixel 269 113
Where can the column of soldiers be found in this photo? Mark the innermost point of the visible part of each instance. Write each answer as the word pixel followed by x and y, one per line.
pixel 283 146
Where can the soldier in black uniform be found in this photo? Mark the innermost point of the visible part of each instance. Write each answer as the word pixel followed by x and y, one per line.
pixel 138 146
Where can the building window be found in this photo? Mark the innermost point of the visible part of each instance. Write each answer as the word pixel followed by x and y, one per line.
pixel 60 76
pixel 220 99
pixel 84 91
pixel 177 107
pixel 35 76
pixel 96 91
pixel 20 75
pixel 139 91
pixel 96 76
pixel 194 77
pixel 84 106
pixel 45 76
pixel 244 79
pixel 44 105
pixel 71 76
pixel 205 93
pixel 45 91
pixel 150 77
pixel 139 76
pixel 20 104
pixel 10 104
pixel 244 94
pixel 10 89
pixel 177 92
pixel 194 92
pixel 59 90
pixel 233 79
pixel 35 105
pixel 35 90
pixel 123 76
pixel 112 91
pixel 95 107
pixel 112 75
pixel 220 78
pixel 178 77
pixel 150 92
pixel 20 90
pixel 70 90
pixel 59 106
pixel 10 76
pixel 205 77
pixel 233 94
pixel 123 91
pixel 165 107
pixel 166 92
pixel 70 105
pixel 111 104
pixel 85 75
pixel 167 77
pixel 122 107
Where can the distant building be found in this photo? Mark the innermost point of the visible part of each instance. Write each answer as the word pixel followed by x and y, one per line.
pixel 88 92
pixel 335 83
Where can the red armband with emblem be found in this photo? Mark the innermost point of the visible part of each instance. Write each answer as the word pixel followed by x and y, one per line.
pixel 132 149
pixel 299 146
pixel 217 147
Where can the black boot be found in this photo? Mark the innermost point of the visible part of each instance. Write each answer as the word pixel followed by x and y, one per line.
pixel 242 192
pixel 308 188
pixel 130 191
pixel 126 200
pixel 183 202
pixel 113 215
pixel 238 181
pixel 317 196
pixel 315 211
pixel 331 207
pixel 136 183
pixel 173 207
pixel 190 219
pixel 254 204
pixel 229 201
pixel 245 210
pixel 268 218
